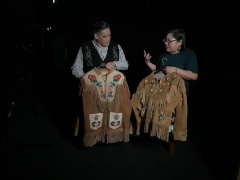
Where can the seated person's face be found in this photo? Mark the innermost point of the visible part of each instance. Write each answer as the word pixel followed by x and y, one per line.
pixel 103 38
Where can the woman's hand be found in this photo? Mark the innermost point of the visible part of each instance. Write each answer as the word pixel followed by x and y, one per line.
pixel 169 69
pixel 147 57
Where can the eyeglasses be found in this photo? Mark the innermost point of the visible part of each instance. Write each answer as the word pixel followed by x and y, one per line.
pixel 168 41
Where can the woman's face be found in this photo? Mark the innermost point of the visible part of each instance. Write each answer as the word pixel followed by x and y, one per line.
pixel 171 44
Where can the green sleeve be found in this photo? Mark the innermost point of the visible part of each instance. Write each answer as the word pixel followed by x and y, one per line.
pixel 191 62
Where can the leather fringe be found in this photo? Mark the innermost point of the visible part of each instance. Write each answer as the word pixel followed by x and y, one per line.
pixel 101 105
pixel 160 132
pixel 119 89
pixel 93 138
pixel 138 129
pixel 115 135
pixel 146 127
pixel 126 133
pixel 161 104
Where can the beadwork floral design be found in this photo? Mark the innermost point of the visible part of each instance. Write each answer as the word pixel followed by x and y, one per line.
pixel 151 87
pixel 110 89
pixel 116 122
pixel 185 135
pixel 116 78
pixel 165 86
pixel 93 80
pixel 115 54
pixel 146 80
pixel 96 123
pixel 96 117
pixel 174 76
pixel 88 56
pixel 160 118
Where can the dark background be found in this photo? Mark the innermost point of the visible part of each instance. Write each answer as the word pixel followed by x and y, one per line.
pixel 36 65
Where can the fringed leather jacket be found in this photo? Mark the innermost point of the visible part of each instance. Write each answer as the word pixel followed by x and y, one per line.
pixel 106 106
pixel 155 100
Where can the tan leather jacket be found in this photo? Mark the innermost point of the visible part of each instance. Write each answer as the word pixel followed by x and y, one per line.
pixel 155 100
pixel 106 106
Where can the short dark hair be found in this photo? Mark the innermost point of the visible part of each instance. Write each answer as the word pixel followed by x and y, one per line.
pixel 99 26
pixel 178 34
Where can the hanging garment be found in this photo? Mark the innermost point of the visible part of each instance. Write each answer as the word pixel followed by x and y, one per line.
pixel 106 106
pixel 156 98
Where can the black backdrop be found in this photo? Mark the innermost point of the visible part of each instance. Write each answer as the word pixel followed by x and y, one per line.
pixel 135 25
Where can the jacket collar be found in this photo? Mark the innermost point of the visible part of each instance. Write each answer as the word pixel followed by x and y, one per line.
pixel 98 71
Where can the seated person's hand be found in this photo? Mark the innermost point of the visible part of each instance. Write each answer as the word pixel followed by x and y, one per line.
pixel 110 65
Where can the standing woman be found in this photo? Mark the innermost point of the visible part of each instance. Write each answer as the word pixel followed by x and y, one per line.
pixel 177 58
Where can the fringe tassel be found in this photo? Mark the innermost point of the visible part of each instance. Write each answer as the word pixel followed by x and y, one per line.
pixel 119 89
pixel 93 138
pixel 160 132
pixel 143 112
pixel 146 127
pixel 162 103
pixel 150 104
pixel 168 97
pixel 101 105
pixel 125 86
pixel 138 129
pixel 151 108
pixel 130 128
pixel 115 136
pixel 142 96
pixel 126 133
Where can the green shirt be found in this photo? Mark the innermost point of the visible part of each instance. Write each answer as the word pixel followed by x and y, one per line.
pixel 185 60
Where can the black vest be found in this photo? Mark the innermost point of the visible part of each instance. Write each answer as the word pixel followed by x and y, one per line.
pixel 92 59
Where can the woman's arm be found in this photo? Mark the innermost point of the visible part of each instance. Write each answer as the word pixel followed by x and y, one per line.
pixel 151 66
pixel 147 58
pixel 186 74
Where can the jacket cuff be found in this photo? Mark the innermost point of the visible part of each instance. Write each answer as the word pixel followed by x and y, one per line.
pixel 180 135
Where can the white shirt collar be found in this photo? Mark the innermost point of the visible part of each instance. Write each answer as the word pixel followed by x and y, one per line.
pixel 96 44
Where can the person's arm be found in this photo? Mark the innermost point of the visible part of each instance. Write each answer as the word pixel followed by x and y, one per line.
pixel 121 64
pixel 147 58
pixel 186 74
pixel 191 71
pixel 151 66
pixel 77 67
